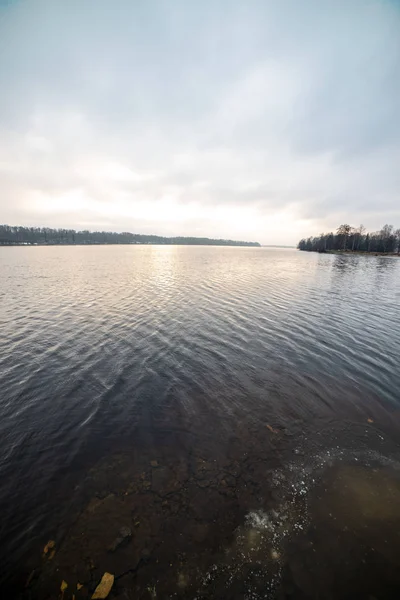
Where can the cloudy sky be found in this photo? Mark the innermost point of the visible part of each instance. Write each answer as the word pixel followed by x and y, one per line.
pixel 259 120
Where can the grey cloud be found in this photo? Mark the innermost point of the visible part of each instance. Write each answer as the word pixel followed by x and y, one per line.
pixel 260 106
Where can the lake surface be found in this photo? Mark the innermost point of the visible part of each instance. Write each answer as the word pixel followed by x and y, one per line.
pixel 236 410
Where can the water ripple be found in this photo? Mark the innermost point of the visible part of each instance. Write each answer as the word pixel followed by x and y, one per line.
pixel 100 343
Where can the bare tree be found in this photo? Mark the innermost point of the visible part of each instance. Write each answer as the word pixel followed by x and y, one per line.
pixel 360 234
pixel 386 234
pixel 344 231
pixel 397 234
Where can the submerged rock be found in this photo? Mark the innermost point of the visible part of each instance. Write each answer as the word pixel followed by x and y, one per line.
pixel 125 534
pixel 104 587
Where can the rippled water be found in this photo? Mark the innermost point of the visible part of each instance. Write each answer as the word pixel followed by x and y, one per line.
pixel 139 372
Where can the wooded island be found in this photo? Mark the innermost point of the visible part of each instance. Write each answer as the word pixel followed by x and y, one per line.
pixel 355 239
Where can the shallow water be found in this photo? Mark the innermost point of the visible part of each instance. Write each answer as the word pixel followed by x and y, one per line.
pixel 200 396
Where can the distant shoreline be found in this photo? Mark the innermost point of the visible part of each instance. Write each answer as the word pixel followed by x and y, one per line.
pixel 358 252
pixel 17 235
pixel 216 244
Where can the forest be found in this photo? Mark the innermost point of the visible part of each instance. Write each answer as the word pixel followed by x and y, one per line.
pixel 17 236
pixel 355 239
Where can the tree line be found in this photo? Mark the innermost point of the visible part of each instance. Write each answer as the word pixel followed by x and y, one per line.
pixel 17 235
pixel 355 239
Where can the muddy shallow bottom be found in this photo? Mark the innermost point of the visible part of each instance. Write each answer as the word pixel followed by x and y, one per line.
pixel 264 515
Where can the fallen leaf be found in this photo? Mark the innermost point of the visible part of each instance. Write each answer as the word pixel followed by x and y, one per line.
pixel 52 554
pixel 79 586
pixel 370 420
pixel 64 585
pixel 104 587
pixel 49 546
pixel 272 430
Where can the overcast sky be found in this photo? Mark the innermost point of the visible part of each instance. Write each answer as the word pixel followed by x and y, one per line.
pixel 258 120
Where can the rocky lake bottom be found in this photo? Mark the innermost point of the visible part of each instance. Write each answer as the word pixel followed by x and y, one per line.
pixel 269 514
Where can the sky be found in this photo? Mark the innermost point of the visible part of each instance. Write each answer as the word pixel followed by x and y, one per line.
pixel 260 120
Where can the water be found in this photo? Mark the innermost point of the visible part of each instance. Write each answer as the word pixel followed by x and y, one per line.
pixel 200 396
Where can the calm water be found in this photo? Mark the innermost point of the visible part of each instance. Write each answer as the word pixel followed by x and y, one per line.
pixel 207 398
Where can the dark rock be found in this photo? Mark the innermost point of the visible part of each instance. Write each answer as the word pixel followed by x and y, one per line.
pixel 203 483
pixel 163 481
pixel 146 554
pixel 125 534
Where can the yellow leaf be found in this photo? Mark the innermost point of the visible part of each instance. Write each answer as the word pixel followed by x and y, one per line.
pixel 79 586
pixel 49 546
pixel 64 585
pixel 104 587
pixel 272 430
